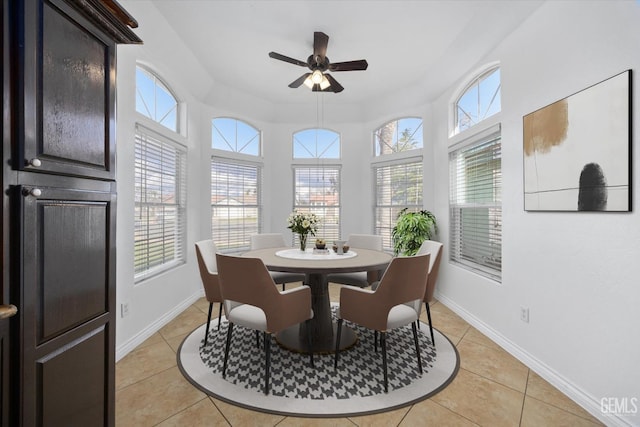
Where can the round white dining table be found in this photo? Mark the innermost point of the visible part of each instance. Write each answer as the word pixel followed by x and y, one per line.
pixel 316 267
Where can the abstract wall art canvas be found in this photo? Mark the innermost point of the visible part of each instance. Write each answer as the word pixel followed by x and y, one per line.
pixel 577 150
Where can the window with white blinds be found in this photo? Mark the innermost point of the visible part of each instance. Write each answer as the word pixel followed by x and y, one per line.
pixel 397 187
pixel 235 203
pixel 317 190
pixel 160 203
pixel 475 206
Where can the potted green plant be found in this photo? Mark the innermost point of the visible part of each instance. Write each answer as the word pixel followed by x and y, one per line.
pixel 411 229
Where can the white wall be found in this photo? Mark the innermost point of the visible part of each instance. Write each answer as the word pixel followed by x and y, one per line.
pixel 577 272
pixel 154 302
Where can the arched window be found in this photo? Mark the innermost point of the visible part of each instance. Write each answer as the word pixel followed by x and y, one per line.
pixel 316 144
pixel 475 179
pixel 160 180
pixel 234 135
pixel 398 136
pixel 236 183
pixel 317 186
pixel 398 184
pixel 155 100
pixel 480 99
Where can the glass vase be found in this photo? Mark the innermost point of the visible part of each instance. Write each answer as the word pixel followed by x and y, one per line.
pixel 303 242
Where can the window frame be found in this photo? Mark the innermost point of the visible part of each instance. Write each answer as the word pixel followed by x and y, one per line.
pixel 318 209
pixel 158 81
pixel 244 244
pixel 236 154
pixel 325 159
pixel 386 231
pixel 456 250
pixel 180 236
pixel 409 153
pixel 474 81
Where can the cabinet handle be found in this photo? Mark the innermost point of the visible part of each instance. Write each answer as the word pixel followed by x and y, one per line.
pixel 7 311
pixel 35 192
pixel 35 162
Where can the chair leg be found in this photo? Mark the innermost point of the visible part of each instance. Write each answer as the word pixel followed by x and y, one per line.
pixel 267 360
pixel 226 350
pixel 415 340
pixel 375 341
pixel 206 334
pixel 310 343
pixel 219 315
pixel 430 324
pixel 337 353
pixel 383 344
pixel 284 286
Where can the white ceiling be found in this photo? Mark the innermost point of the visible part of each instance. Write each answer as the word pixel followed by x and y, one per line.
pixel 425 45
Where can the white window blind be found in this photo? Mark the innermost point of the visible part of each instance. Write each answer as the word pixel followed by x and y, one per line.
pixel 317 190
pixel 475 206
pixel 235 203
pixel 397 187
pixel 160 201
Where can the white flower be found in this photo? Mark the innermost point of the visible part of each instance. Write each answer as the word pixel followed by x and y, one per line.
pixel 303 223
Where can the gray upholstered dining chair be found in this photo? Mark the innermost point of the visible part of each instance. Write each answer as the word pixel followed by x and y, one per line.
pixel 395 303
pixel 252 300
pixel 206 254
pixel 435 249
pixel 275 240
pixel 360 279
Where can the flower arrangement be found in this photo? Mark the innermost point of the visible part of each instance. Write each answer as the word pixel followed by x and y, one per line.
pixel 303 223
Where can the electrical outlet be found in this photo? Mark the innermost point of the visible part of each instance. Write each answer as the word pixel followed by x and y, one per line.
pixel 124 309
pixel 524 314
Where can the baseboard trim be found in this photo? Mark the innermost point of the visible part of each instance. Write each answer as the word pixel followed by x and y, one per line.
pixel 585 400
pixel 133 342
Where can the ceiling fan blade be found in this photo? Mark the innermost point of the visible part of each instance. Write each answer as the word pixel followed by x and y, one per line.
pixel 335 86
pixel 320 42
pixel 296 83
pixel 349 65
pixel 293 61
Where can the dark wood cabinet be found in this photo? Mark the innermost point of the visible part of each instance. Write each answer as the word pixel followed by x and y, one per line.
pixel 59 213
pixel 69 128
pixel 67 282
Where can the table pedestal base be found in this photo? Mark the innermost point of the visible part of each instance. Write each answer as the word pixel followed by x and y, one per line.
pixel 295 339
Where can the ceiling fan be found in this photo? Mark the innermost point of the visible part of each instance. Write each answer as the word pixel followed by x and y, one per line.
pixel 318 80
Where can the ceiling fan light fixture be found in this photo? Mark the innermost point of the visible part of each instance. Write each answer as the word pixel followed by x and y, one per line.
pixel 317 77
pixel 308 82
pixel 324 83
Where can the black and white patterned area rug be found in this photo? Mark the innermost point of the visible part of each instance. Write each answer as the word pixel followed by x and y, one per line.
pixel 296 389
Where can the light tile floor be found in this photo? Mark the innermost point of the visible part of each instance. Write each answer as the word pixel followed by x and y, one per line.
pixel 492 388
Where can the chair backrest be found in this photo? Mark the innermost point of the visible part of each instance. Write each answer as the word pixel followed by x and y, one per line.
pixel 206 254
pixel 365 241
pixel 245 280
pixel 403 282
pixel 267 240
pixel 435 249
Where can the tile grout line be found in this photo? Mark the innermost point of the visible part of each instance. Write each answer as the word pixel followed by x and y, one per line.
pixel 524 397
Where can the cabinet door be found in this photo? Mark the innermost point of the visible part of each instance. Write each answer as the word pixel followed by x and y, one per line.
pixel 66 282
pixel 66 96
